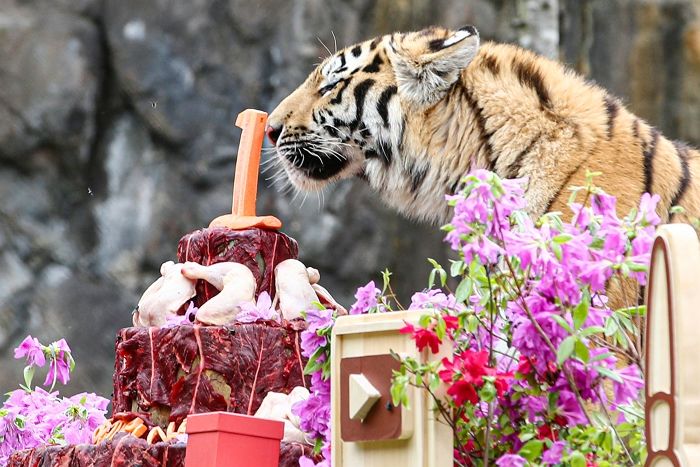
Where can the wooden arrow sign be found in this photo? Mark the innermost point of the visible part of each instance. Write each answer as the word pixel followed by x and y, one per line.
pixel 245 182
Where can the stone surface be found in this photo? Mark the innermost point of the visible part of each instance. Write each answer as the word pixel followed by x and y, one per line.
pixel 117 137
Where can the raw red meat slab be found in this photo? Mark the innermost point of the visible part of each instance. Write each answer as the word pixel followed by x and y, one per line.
pixel 127 451
pixel 260 250
pixel 164 374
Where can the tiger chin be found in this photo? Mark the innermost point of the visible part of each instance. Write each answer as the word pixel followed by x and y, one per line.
pixel 412 113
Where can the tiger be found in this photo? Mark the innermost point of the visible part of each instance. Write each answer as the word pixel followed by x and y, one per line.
pixel 412 113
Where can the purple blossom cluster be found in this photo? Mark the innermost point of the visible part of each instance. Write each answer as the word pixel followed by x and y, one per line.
pixel 366 300
pixel 36 417
pixel 315 412
pixel 561 271
pixel 533 296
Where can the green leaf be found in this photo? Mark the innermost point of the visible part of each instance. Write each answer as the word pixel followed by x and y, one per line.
pixel 556 249
pixel 601 356
pixel 562 322
pixel 399 390
pixel 472 323
pixel 581 351
pixel 424 321
pixel 611 326
pixel 562 238
pixel 464 289
pixel 608 373
pixel 440 328
pixel 637 267
pixel 532 449
pixel 487 392
pixel 20 421
pixel 456 268
pixel 395 355
pixel 677 209
pixel 386 278
pixel 577 459
pixel 591 330
pixel 566 348
pixel 580 313
pixel 597 243
pixel 28 375
pixel 437 268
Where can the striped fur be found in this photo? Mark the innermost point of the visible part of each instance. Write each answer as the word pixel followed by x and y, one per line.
pixel 412 113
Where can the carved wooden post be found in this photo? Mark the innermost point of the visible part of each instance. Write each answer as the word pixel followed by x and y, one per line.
pixel 672 405
pixel 367 429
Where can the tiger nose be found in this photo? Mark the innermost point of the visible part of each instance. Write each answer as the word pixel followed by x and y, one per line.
pixel 273 133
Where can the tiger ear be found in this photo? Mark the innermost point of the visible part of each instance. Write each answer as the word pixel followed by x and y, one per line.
pixel 426 63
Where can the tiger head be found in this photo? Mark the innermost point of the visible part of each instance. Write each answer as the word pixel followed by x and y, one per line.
pixel 352 115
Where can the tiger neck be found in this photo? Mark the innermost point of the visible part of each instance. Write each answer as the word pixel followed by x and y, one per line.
pixel 439 146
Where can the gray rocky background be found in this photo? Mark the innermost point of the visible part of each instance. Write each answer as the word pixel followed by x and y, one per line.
pixel 117 137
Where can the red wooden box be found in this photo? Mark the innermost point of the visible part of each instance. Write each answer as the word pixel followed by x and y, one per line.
pixel 219 439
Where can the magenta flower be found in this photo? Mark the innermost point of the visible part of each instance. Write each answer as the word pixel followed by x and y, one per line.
pixel 604 205
pixel 595 274
pixel 32 349
pixel 511 460
pixel 32 418
pixel 60 363
pixel 632 383
pixel 179 320
pixel 528 277
pixel 260 311
pixel 647 210
pixel 569 407
pixel 310 342
pixel 434 298
pixel 307 462
pixel 310 339
pixel 318 319
pixel 314 414
pixel 553 455
pixel 365 299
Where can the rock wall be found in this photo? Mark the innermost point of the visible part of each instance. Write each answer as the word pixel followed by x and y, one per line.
pixel 117 137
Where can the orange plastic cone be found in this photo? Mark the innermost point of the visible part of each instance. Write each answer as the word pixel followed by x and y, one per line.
pixel 245 182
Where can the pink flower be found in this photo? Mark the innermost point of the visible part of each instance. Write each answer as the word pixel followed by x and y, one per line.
pixel 32 349
pixel 603 204
pixel 179 320
pixel 260 311
pixel 60 363
pixel 553 455
pixel 307 462
pixel 632 383
pixel 647 210
pixel 511 460
pixel 365 299
pixel 310 339
pixel 569 407
pixel 434 298
pixel 314 414
pixel 595 274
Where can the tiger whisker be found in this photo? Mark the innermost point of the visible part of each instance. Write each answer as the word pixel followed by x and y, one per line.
pixel 328 151
pixel 324 46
